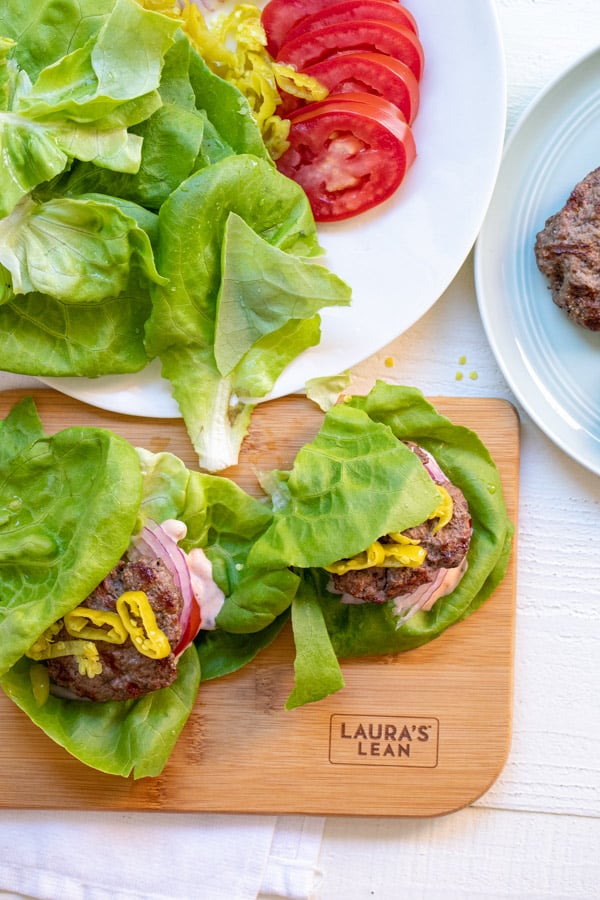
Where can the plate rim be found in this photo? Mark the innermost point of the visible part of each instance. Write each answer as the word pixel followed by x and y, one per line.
pixel 588 458
pixel 133 396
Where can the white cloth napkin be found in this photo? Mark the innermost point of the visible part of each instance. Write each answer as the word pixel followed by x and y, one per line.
pixel 157 856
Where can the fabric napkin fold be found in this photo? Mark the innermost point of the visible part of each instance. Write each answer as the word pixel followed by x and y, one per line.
pixel 157 856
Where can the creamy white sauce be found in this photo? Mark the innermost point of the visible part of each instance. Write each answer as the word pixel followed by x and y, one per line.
pixel 176 529
pixel 207 592
pixel 448 583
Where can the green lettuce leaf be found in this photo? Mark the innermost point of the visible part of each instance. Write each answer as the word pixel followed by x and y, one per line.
pixel 238 208
pixel 75 249
pixel 48 29
pixel 317 671
pixel 326 390
pixel 172 140
pixel 227 110
pixel 224 521
pixel 262 289
pixel 120 63
pixel 40 335
pixel 132 737
pixel 222 652
pixel 81 104
pixel 69 505
pixel 21 428
pixel 353 483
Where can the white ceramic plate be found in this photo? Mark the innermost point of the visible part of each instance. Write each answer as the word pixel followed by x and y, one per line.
pixel 551 364
pixel 400 257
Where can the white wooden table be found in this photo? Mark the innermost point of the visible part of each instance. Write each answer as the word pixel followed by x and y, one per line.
pixel 536 832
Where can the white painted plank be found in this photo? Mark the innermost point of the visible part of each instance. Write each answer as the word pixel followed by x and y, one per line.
pixel 472 855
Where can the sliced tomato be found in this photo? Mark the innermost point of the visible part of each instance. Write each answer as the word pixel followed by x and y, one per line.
pixel 370 73
pixel 349 152
pixel 279 16
pixel 347 10
pixel 191 630
pixel 360 34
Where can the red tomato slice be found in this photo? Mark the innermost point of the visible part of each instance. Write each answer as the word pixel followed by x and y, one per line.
pixel 370 73
pixel 349 153
pixel 360 34
pixel 347 10
pixel 192 629
pixel 279 16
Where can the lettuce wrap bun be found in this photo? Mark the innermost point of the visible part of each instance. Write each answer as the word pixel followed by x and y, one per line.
pixel 80 511
pixel 358 485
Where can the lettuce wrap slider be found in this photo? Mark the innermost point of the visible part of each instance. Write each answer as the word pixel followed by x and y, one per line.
pixel 394 520
pixel 114 562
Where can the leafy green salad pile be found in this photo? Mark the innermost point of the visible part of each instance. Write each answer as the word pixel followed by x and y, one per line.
pixel 70 503
pixel 141 217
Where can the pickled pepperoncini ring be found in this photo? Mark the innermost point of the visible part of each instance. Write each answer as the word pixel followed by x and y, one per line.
pixel 86 653
pixel 403 552
pixel 107 626
pixel 138 618
pixel 444 511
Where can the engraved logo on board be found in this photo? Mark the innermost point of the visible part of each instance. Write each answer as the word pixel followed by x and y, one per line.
pixel 384 740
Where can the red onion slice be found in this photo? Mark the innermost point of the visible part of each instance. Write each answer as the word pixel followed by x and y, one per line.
pixel 162 545
pixel 406 605
pixel 432 468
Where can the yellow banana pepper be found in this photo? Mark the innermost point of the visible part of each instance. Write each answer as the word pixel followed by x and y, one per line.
pixel 138 618
pixel 106 626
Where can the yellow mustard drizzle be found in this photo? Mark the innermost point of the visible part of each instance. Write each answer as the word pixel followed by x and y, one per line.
pixel 401 551
pixel 138 618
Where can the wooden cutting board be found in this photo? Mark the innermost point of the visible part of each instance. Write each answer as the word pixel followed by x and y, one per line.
pixel 419 734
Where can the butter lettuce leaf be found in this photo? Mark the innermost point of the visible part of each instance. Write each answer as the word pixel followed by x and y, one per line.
pixel 81 104
pixel 21 428
pixel 41 335
pixel 349 486
pixel 171 142
pixel 317 672
pixel 224 521
pixel 78 250
pixel 69 504
pixel 219 218
pixel 227 109
pixel 132 737
pixel 262 289
pixel 120 64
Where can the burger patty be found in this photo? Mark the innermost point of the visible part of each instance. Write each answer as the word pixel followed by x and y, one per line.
pixel 445 550
pixel 126 673
pixel 567 252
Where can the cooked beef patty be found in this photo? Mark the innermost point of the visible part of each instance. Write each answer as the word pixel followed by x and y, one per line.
pixel 126 673
pixel 567 251
pixel 445 549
